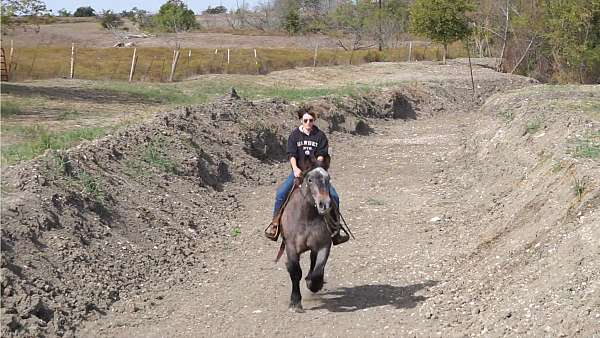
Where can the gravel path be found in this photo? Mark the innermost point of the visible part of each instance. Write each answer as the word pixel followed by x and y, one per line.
pixel 375 284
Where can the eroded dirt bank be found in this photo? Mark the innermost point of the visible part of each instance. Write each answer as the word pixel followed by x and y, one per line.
pixel 155 231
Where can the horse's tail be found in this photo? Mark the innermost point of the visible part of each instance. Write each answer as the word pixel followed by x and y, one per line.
pixel 280 252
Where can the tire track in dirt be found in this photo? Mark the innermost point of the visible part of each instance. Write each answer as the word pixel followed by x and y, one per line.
pixel 375 284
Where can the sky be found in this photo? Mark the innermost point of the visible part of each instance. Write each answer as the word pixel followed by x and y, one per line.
pixel 150 5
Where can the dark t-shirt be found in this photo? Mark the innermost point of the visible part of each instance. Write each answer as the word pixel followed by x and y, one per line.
pixel 301 145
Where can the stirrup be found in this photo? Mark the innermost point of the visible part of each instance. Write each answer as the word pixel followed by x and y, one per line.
pixel 270 235
pixel 338 237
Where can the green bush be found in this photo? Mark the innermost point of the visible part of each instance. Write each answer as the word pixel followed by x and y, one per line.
pixel 84 11
pixel 174 16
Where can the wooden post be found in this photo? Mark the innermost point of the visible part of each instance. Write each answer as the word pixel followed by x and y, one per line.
pixel 189 60
pixel 133 62
pixel 72 72
pixel 174 65
pixel 409 51
pixel 227 55
pixel 470 68
pixel 256 62
pixel 315 57
pixel 10 55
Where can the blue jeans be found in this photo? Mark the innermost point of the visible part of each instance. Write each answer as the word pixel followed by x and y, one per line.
pixel 287 186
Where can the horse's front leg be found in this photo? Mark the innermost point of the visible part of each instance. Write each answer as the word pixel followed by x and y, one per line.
pixel 314 279
pixel 295 271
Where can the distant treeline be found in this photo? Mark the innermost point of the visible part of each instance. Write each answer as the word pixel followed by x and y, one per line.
pixel 551 40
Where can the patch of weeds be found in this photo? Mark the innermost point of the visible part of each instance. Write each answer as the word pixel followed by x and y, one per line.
pixel 152 93
pixel 91 186
pixel 508 116
pixel 40 138
pixel 68 115
pixel 154 156
pixel 534 125
pixel 588 146
pixel 236 231
pixel 61 164
pixel 9 108
pixel 579 186
pixel 135 169
pixel 373 201
pixel 556 167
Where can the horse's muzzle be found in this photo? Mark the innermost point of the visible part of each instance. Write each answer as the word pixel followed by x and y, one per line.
pixel 323 207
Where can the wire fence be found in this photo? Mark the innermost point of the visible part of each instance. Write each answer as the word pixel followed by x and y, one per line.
pixel 164 64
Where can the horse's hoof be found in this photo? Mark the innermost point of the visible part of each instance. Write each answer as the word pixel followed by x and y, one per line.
pixel 296 308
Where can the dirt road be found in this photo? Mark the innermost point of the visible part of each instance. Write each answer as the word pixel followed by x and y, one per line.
pixel 376 284
pixel 479 217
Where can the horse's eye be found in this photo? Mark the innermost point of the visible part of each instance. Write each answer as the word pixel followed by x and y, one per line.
pixel 309 180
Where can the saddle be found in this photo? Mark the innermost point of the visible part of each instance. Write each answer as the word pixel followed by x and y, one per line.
pixel 333 219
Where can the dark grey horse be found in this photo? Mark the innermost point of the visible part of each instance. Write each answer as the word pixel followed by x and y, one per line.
pixel 304 229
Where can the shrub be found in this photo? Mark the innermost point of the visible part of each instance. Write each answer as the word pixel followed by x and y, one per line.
pixel 374 56
pixel 110 20
pixel 174 16
pixel 84 11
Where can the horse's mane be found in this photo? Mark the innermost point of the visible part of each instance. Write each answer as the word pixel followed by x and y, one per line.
pixel 308 163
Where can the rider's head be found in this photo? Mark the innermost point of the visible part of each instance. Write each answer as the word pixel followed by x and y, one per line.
pixel 307 119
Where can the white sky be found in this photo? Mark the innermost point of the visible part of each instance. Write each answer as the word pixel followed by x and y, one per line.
pixel 150 5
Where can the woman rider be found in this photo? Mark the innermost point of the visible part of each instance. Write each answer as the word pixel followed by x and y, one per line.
pixel 306 140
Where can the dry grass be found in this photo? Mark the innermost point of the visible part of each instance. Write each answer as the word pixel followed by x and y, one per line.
pixel 154 64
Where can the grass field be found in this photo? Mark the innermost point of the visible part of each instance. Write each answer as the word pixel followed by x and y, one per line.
pixel 60 114
pixel 154 64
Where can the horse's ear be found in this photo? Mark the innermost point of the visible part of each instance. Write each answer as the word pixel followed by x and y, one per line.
pixel 325 163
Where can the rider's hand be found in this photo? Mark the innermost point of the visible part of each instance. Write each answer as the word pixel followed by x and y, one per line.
pixel 297 172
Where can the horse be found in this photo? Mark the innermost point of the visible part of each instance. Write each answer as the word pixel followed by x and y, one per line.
pixel 304 228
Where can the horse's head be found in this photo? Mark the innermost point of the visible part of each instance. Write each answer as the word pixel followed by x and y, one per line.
pixel 316 186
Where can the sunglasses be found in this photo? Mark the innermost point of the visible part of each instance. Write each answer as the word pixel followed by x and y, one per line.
pixel 308 120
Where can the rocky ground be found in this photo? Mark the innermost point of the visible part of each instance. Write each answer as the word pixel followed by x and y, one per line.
pixel 473 216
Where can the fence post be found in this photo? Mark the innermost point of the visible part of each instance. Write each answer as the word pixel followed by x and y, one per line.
pixel 10 60
pixel 133 62
pixel 227 55
pixel 315 57
pixel 174 65
pixel 71 73
pixel 256 62
pixel 409 51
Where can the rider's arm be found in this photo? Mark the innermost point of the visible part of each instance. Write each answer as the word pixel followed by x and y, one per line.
pixel 297 171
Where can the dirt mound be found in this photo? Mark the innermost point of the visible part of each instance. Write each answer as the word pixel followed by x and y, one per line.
pixel 136 211
pixel 533 265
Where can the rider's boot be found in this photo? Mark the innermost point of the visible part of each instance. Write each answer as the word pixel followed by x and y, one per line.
pixel 272 231
pixel 338 235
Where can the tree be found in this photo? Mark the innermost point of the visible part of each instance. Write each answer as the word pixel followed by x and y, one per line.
pixel 84 12
pixel 217 10
pixel 140 17
pixel 442 21
pixel 174 16
pixel 33 10
pixel 110 20
pixel 291 20
pixel 63 12
pixel 354 19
